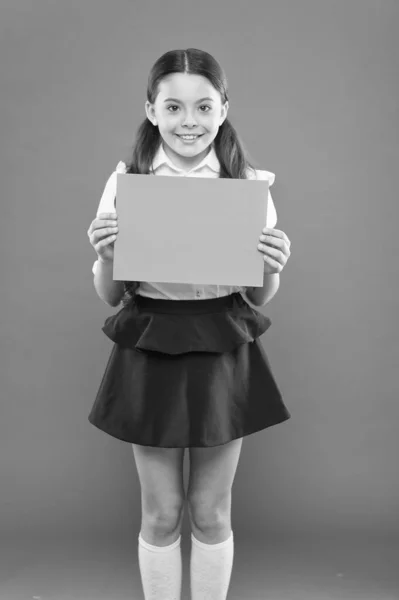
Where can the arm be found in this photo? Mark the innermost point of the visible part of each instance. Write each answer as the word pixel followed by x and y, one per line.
pixel 259 296
pixel 108 290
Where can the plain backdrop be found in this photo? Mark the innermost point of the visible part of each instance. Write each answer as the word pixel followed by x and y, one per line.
pixel 314 96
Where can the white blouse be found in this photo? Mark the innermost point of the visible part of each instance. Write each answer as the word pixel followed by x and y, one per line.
pixel 162 165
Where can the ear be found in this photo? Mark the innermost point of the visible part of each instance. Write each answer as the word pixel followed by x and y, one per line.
pixel 225 108
pixel 150 111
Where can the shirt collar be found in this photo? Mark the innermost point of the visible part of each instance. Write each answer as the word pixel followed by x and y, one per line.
pixel 210 160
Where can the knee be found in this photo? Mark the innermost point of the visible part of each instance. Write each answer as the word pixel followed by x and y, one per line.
pixel 209 511
pixel 163 514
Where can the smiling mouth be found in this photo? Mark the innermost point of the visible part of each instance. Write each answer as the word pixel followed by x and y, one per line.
pixel 190 136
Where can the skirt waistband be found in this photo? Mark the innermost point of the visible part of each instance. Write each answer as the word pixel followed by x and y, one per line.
pixel 191 307
pixel 181 326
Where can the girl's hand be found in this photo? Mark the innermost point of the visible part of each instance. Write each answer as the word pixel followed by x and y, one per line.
pixel 102 235
pixel 275 246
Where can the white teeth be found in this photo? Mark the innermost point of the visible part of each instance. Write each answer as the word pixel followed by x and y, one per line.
pixel 188 137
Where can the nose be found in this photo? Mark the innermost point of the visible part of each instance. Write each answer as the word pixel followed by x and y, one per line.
pixel 189 122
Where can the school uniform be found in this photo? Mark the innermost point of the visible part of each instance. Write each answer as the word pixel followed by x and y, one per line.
pixel 187 368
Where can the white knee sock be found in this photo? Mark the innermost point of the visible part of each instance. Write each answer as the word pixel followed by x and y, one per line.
pixel 210 569
pixel 161 570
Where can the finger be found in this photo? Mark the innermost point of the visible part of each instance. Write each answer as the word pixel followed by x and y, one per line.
pixel 101 221
pixel 272 231
pixel 101 228
pixel 281 255
pixel 279 243
pixel 106 220
pixel 277 233
pixel 268 250
pixel 104 233
pixel 272 240
pixel 273 263
pixel 106 241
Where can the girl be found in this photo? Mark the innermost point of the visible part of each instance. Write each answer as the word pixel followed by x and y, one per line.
pixel 187 369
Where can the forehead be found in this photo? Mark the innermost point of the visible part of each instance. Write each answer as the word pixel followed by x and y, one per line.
pixel 186 87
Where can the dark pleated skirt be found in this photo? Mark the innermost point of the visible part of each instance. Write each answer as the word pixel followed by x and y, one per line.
pixel 187 373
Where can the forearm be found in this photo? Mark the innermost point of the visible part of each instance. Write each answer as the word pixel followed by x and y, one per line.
pixel 108 290
pixel 259 296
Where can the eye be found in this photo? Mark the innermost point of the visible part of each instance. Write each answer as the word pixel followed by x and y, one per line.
pixel 175 106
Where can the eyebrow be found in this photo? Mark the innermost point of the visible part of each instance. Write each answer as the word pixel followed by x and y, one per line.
pixel 176 100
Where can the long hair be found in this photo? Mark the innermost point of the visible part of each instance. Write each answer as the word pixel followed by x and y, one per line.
pixel 232 154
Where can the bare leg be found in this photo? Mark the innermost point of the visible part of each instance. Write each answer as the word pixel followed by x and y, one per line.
pixel 212 472
pixel 160 471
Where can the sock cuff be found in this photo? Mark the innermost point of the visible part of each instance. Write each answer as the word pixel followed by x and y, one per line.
pixel 212 546
pixel 152 548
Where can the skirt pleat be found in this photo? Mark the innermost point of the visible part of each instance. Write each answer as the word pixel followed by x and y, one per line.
pixel 176 396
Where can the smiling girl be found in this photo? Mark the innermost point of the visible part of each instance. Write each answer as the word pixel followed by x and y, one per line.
pixel 187 369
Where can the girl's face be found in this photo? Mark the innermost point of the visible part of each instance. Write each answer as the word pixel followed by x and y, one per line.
pixel 187 104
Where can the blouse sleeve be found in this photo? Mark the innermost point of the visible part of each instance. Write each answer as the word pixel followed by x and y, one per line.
pixel 271 219
pixel 107 202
